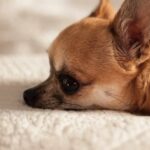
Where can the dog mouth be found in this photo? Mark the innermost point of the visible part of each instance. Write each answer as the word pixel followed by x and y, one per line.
pixel 56 101
pixel 54 104
pixel 67 106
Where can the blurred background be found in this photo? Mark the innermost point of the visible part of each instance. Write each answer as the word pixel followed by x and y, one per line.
pixel 29 26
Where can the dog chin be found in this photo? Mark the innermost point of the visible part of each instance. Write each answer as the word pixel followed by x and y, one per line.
pixel 67 106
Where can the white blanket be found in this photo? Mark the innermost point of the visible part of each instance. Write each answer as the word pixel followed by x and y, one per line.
pixel 24 128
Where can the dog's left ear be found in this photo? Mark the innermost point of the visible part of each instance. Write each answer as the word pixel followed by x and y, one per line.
pixel 104 10
pixel 131 28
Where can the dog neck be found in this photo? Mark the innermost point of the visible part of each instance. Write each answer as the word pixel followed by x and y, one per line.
pixel 142 90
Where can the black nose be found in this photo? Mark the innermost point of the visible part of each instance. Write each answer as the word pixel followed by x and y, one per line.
pixel 30 96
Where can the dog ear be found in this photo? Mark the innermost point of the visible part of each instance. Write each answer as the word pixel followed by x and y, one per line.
pixel 131 28
pixel 104 10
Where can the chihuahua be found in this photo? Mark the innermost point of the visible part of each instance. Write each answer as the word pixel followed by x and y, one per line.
pixel 100 62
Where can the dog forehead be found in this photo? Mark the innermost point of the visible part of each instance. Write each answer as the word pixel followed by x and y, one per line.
pixel 84 32
pixel 80 43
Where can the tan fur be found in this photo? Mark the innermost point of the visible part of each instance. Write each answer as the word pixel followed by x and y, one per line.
pixel 104 10
pixel 111 57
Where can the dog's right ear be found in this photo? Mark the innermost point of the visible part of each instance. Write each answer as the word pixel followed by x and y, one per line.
pixel 131 28
pixel 104 10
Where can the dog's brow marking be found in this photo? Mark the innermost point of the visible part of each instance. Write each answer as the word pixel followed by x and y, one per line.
pixel 58 60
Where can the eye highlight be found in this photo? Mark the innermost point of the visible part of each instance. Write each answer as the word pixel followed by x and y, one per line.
pixel 68 84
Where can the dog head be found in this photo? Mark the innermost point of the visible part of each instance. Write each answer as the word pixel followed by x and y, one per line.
pixel 96 62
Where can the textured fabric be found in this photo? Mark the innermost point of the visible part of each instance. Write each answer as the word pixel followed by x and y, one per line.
pixel 24 128
pixel 30 25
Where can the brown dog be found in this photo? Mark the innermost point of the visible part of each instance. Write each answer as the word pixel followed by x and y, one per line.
pixel 102 62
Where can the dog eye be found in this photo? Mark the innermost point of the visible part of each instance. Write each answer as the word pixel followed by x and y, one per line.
pixel 68 84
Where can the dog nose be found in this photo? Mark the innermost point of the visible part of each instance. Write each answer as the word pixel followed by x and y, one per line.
pixel 30 97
